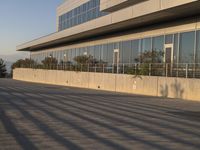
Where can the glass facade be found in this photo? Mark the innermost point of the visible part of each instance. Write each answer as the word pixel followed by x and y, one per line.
pixel 146 44
pixel 176 48
pixel 197 59
pixel 86 12
pixel 169 38
pixel 186 49
pixel 158 43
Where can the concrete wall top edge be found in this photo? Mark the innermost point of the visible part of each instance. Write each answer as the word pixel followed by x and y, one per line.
pixel 145 85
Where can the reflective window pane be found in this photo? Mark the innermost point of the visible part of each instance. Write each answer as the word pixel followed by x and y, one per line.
pixel 110 53
pixel 158 43
pixel 146 44
pixel 105 53
pixel 81 14
pixel 97 53
pixel 135 50
pixel 198 48
pixel 126 52
pixel 169 39
pixel 176 46
pixel 186 53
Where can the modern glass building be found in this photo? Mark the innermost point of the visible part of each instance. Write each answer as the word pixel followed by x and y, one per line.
pixel 128 28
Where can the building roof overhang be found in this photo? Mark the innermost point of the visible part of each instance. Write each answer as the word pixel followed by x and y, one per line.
pixel 103 25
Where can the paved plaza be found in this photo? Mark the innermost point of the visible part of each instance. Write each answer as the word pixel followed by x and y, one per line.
pixel 36 116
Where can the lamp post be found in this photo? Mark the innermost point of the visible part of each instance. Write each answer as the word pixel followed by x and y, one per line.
pixel 65 55
pixel 85 53
pixel 65 60
pixel 50 56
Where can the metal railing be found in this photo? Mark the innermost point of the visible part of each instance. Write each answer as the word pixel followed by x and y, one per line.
pixel 147 69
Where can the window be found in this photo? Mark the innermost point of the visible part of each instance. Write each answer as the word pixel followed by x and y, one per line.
pixel 110 53
pixel 69 55
pixel 81 14
pixel 104 52
pixel 169 39
pixel 125 52
pixel 73 54
pixel 186 53
pixel 158 43
pixel 176 47
pixel 91 51
pixel 66 56
pixel 77 52
pixel 135 49
pixel 97 52
pixel 61 56
pixel 146 45
pixel 198 48
pixel 183 49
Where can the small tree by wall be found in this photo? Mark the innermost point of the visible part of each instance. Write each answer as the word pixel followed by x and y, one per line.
pixel 85 62
pixel 152 56
pixel 3 70
pixel 25 63
pixel 85 59
pixel 148 61
pixel 49 61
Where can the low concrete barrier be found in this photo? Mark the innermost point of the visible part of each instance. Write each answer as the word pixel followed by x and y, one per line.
pixel 154 86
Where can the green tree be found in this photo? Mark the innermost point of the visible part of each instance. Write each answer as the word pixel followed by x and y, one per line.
pixel 87 59
pixel 2 69
pixel 83 59
pixel 22 63
pixel 50 61
pixel 25 63
pixel 149 62
pixel 152 56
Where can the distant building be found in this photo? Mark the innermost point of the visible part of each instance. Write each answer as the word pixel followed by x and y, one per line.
pixel 124 28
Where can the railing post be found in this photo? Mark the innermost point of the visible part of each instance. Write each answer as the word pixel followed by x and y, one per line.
pixel 123 69
pixel 194 70
pixel 186 71
pixel 166 71
pixel 70 67
pixel 81 67
pixel 149 69
pixel 95 68
pixel 177 70
pixel 88 68
pixel 135 66
pixel 103 68
pixel 112 68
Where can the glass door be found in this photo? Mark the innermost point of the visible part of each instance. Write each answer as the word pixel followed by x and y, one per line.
pixel 168 59
pixel 116 61
pixel 168 53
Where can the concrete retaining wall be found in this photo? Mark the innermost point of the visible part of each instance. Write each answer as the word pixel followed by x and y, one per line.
pixel 153 86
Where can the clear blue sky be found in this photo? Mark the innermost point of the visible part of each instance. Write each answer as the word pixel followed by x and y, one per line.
pixel 24 20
